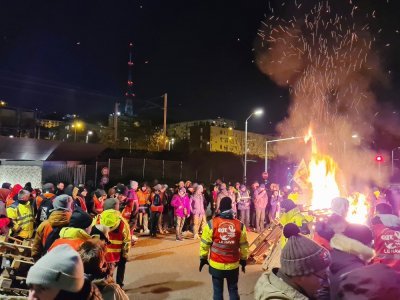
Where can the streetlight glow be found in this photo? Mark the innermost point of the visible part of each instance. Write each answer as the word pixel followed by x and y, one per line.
pixel 258 112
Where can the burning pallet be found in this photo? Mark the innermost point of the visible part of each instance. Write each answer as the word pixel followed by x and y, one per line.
pixel 264 247
pixel 16 261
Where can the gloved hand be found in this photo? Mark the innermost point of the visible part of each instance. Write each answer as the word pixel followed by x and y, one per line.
pixel 203 261
pixel 243 263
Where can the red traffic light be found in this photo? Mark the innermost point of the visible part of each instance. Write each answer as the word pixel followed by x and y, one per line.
pixel 379 158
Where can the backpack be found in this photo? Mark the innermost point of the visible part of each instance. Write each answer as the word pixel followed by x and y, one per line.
pixel 44 210
pixel 53 235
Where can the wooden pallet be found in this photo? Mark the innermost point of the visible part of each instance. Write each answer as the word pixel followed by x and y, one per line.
pixel 16 261
pixel 263 245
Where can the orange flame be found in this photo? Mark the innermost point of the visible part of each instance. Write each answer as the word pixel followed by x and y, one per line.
pixel 322 170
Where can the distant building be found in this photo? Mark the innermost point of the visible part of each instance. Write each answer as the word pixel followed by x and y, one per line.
pixel 17 122
pixel 219 139
pixel 181 131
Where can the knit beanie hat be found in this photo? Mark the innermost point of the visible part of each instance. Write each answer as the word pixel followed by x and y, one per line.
pixel 48 187
pixel 110 203
pixel 301 256
pixel 287 205
pixel 376 281
pixel 61 268
pixel 157 187
pixel 61 203
pixel 80 219
pixel 360 233
pixel 68 190
pixel 340 206
pixel 99 193
pixel 225 204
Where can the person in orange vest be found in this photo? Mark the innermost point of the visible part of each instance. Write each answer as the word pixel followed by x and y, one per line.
pixel 144 200
pixel 13 195
pixel 59 218
pixel 117 250
pixel 99 196
pixel 44 203
pixel 79 194
pixel 77 232
pixel 224 247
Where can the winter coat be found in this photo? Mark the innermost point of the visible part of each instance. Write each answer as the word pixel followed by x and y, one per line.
pixel 180 203
pixel 386 232
pixel 89 291
pixel 347 254
pixel 260 199
pixel 271 287
pixel 223 194
pixel 197 205
pixel 244 200
pixel 59 219
pixel 3 194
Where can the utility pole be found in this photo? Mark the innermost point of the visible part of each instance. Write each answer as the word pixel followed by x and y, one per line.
pixel 116 112
pixel 165 121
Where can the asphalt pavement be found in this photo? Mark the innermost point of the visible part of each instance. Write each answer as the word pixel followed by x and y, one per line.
pixel 163 268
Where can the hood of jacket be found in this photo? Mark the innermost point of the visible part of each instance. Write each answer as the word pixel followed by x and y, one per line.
pixel 353 247
pixel 270 286
pixel 388 220
pixel 59 218
pixel 74 233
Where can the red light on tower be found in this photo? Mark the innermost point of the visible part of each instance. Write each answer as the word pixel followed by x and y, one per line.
pixel 379 158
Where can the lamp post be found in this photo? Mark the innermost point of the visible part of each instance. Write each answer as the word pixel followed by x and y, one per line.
pixel 257 112
pixel 274 141
pixel 393 159
pixel 75 126
pixel 87 135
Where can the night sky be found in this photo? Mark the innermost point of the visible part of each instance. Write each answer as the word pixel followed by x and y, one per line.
pixel 71 57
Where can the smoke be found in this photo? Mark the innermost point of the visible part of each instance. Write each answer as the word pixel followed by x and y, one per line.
pixel 328 62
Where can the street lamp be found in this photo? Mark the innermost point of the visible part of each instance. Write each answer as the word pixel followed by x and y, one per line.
pixel 257 112
pixel 274 141
pixel 76 125
pixel 87 135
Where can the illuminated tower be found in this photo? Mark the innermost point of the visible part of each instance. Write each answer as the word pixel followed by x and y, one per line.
pixel 129 91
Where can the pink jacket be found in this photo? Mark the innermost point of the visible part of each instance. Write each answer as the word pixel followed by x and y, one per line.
pixel 180 203
pixel 260 199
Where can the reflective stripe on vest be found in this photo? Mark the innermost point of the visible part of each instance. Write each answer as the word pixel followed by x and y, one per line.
pixel 226 240
pixel 98 205
pixel 114 249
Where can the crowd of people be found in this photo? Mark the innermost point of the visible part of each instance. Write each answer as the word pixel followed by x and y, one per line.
pixel 94 230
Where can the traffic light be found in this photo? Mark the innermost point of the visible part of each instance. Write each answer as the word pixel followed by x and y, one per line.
pixel 379 158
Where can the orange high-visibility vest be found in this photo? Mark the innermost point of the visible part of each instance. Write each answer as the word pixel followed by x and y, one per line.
pixel 116 238
pixel 98 205
pixel 226 240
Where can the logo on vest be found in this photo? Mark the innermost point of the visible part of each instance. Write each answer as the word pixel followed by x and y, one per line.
pixel 227 233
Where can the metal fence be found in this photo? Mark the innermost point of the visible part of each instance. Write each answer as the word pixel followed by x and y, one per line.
pixel 124 169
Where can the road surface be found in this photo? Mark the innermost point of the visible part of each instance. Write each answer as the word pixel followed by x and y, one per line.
pixel 163 268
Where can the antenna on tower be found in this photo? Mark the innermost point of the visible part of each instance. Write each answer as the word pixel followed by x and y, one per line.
pixel 129 91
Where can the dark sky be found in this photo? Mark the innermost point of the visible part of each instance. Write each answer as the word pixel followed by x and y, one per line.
pixel 71 56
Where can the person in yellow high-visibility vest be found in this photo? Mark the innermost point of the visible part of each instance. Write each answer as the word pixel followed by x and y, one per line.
pixel 21 214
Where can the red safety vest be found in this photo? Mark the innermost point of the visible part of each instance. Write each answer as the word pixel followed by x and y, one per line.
pixel 82 203
pixel 387 246
pixel 226 240
pixel 98 205
pixel 116 238
pixel 127 211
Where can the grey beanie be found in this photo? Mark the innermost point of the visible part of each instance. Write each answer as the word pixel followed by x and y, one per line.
pixel 302 256
pixel 65 274
pixel 61 203
pixel 110 203
pixel 48 187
